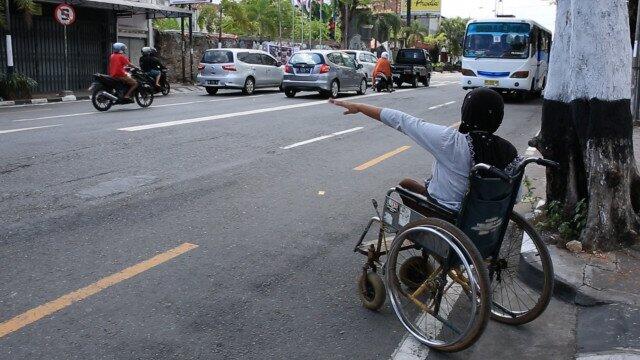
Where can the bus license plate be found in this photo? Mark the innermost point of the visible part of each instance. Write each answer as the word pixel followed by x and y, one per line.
pixel 491 83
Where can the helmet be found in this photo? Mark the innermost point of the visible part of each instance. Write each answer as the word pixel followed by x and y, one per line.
pixel 119 47
pixel 482 110
pixel 384 55
pixel 154 51
pixel 146 50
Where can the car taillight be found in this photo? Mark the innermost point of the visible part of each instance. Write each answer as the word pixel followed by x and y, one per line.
pixel 229 67
pixel 520 74
pixel 288 69
pixel 201 66
pixel 324 69
pixel 467 72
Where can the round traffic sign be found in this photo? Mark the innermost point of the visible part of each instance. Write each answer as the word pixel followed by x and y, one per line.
pixel 65 14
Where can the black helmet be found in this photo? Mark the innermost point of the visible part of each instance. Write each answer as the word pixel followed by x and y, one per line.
pixel 482 110
pixel 146 50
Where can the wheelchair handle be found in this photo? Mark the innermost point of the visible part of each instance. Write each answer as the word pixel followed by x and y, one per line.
pixel 547 163
pixel 492 170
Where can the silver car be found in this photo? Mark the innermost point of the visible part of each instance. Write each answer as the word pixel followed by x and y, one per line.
pixel 367 59
pixel 327 71
pixel 244 69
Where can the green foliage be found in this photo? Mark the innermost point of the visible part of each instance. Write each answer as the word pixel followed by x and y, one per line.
pixel 569 226
pixel 17 86
pixel 529 197
pixel 26 6
pixel 413 33
pixel 166 24
pixel 454 29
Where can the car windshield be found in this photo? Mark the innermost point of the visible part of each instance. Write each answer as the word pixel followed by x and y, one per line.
pixel 410 56
pixel 306 58
pixel 497 40
pixel 217 57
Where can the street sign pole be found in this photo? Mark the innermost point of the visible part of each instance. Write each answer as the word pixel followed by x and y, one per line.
pixel 66 62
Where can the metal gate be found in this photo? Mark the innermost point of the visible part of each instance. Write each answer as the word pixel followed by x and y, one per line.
pixel 38 49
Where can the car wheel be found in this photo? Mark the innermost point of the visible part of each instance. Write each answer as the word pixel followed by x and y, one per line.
pixel 290 93
pixel 249 86
pixel 335 90
pixel 363 87
pixel 427 81
pixel 211 90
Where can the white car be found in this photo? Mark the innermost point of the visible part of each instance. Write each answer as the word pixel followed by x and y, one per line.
pixel 243 69
pixel 367 59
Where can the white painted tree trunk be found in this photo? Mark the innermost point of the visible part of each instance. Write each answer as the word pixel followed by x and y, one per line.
pixel 586 122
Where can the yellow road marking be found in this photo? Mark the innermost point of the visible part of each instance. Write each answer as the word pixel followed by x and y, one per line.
pixel 62 302
pixel 381 158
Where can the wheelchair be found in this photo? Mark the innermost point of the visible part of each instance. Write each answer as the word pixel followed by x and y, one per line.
pixel 447 272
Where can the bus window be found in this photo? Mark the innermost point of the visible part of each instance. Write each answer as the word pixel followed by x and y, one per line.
pixel 497 40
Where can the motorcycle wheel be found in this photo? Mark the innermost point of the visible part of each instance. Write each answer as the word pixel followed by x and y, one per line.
pixel 144 96
pixel 101 103
pixel 166 88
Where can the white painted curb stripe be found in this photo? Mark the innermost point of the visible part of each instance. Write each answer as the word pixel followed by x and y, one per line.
pixel 321 138
pixel 29 128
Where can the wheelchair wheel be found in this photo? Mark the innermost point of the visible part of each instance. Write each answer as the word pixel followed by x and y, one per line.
pixel 449 309
pixel 371 290
pixel 522 276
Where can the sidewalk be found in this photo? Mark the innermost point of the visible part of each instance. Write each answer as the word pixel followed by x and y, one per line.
pixel 83 95
pixel 606 289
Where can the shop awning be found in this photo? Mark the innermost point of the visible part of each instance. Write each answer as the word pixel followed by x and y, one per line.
pixel 153 11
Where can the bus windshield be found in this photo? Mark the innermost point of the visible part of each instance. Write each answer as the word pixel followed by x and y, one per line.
pixel 497 40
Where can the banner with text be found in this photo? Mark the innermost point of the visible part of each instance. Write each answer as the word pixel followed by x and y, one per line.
pixel 431 6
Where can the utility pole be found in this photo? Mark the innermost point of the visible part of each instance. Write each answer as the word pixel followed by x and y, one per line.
pixel 190 45
pixel 9 46
pixel 321 29
pixel 635 98
pixel 220 27
pixel 346 26
pixel 279 26
pixel 408 13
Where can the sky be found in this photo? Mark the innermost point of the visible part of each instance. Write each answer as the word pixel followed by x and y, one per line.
pixel 538 10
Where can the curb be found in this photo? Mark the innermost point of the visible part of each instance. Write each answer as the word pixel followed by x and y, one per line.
pixel 44 100
pixel 563 289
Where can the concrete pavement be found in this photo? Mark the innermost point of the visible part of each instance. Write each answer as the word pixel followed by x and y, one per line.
pixel 84 203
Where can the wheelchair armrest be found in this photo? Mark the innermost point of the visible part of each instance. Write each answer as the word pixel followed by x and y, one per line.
pixel 427 203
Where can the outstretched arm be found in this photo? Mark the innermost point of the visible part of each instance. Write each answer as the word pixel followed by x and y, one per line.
pixel 354 108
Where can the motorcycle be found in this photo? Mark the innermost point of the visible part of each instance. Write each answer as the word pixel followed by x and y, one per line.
pixel 164 88
pixel 107 91
pixel 382 83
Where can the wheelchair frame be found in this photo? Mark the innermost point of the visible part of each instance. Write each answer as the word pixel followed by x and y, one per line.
pixel 395 215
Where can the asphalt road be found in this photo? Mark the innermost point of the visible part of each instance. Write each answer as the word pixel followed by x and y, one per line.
pixel 270 271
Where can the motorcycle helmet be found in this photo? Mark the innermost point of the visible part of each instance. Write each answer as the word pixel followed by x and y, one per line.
pixel 154 52
pixel 119 47
pixel 384 55
pixel 146 50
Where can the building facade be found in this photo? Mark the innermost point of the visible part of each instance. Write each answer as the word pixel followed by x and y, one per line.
pixel 39 44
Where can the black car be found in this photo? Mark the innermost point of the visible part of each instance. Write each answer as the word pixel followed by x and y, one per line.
pixel 412 66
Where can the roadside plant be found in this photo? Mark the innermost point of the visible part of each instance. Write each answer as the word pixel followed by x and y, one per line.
pixel 568 225
pixel 529 197
pixel 16 86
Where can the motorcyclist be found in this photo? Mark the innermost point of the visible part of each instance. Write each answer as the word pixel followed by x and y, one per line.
pixel 150 64
pixel 383 66
pixel 118 68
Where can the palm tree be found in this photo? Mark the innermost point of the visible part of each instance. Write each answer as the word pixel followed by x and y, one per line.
pixel 414 33
pixel 385 24
pixel 236 19
pixel 208 17
pixel 26 6
pixel 264 16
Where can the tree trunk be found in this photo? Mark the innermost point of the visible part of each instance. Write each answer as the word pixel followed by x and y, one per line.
pixel 586 121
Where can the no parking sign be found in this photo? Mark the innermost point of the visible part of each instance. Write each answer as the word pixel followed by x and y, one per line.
pixel 65 14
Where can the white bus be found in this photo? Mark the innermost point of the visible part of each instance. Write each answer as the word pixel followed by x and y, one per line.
pixel 507 54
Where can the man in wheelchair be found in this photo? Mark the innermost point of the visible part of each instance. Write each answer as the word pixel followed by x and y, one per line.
pixel 456 151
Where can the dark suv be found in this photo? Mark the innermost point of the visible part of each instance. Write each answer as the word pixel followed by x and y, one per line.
pixel 412 66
